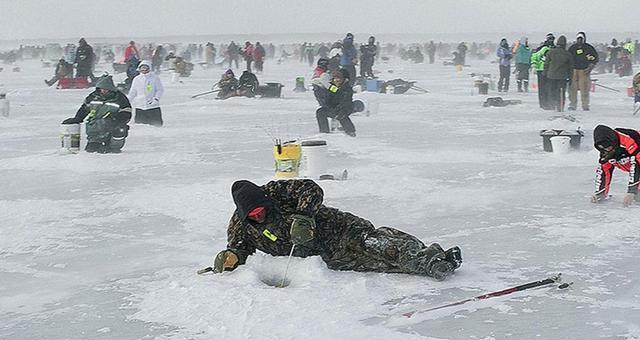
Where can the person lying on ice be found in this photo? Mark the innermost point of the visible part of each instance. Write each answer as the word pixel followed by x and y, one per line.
pixel 618 149
pixel 107 111
pixel 280 214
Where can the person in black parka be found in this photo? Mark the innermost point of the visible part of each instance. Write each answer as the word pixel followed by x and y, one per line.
pixel 338 104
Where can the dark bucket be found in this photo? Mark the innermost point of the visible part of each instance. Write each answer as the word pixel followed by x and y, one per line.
pixel 483 88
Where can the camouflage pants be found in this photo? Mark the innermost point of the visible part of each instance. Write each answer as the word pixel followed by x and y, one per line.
pixel 385 250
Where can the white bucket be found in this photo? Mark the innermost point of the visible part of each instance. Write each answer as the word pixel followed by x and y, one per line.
pixel 313 162
pixel 175 77
pixel 70 137
pixel 560 144
pixel 371 102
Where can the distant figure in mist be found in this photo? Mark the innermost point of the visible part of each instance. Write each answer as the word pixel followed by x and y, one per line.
pixel 349 57
pixel 367 58
pixel 558 68
pixel 504 63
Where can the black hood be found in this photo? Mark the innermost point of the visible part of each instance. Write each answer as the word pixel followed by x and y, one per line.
pixel 605 136
pixel 561 42
pixel 248 196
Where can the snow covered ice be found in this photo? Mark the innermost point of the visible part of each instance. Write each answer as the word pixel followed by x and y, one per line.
pixel 107 246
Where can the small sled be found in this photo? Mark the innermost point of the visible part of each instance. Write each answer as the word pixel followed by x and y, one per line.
pixel 73 83
pixel 499 102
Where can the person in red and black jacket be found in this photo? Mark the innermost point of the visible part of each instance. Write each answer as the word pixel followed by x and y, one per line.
pixel 618 149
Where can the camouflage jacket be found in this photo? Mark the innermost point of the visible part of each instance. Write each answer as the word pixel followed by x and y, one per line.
pixel 290 197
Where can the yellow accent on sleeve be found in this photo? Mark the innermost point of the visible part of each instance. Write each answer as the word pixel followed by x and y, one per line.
pixel 269 235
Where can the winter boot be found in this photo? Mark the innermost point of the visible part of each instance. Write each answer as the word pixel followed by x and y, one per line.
pixel 454 255
pixel 92 147
pixel 440 269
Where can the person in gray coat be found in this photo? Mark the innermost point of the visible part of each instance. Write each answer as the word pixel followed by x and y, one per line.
pixel 558 68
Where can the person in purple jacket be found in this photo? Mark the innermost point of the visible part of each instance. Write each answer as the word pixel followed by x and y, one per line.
pixel 504 54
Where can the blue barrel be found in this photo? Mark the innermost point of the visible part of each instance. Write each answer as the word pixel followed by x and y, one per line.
pixel 373 85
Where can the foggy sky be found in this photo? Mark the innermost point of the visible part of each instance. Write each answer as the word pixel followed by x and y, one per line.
pixel 24 19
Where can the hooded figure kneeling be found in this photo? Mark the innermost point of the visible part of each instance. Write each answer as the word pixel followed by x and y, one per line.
pixel 107 112
pixel 287 215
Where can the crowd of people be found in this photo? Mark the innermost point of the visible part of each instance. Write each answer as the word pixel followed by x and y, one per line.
pixel 559 67
pixel 282 215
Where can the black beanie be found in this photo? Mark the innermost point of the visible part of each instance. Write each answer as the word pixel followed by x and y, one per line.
pixel 604 137
pixel 248 196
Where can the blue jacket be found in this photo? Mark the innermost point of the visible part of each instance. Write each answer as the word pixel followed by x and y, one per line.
pixel 349 52
pixel 505 56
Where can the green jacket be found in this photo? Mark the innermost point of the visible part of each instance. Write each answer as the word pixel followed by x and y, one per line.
pixel 630 46
pixel 538 58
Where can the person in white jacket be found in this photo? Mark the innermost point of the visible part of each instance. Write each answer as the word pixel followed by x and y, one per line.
pixel 145 93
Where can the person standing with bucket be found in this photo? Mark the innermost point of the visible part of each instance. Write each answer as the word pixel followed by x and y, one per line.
pixel 618 148
pixel 287 217
pixel 146 91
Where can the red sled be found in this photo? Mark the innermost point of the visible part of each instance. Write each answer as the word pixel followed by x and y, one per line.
pixel 73 83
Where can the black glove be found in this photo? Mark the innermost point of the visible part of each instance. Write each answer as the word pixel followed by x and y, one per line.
pixel 226 260
pixel 72 120
pixel 302 229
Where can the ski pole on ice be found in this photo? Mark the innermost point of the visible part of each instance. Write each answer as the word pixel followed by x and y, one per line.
pixel 205 270
pixel 204 93
pixel 608 88
pixel 637 110
pixel 284 277
pixel 534 284
pixel 417 88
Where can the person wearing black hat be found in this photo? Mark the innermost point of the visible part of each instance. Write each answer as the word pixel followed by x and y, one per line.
pixel 287 215
pixel 585 59
pixel 338 104
pixel 84 60
pixel 504 54
pixel 349 58
pixel 618 148
pixel 247 84
pixel 107 112
pixel 367 58
pixel 537 61
pixel 557 68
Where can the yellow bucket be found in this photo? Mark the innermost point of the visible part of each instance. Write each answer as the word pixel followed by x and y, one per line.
pixel 287 160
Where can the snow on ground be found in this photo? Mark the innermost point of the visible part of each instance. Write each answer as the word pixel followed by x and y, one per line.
pixel 107 246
